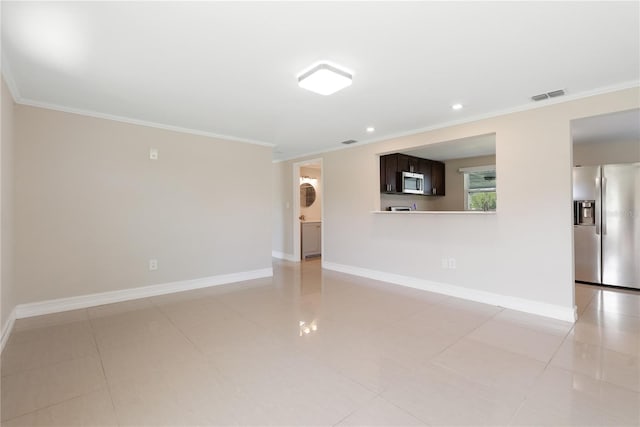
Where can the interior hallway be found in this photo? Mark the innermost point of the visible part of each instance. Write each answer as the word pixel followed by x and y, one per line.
pixel 313 347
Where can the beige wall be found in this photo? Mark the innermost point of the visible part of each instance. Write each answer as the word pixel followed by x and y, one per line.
pixel 606 152
pixel 313 212
pixel 7 286
pixel 282 229
pixel 519 251
pixel 92 208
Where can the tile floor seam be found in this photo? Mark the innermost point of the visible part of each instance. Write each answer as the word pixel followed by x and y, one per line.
pixel 599 379
pixel 597 291
pixel 539 376
pixel 182 333
pixel 48 364
pixel 50 405
pixel 104 373
pixel 528 389
pixel 406 411
pixel 566 335
pixel 547 363
pixel 364 404
pixel 465 335
pixel 570 372
pixel 446 368
pixel 515 414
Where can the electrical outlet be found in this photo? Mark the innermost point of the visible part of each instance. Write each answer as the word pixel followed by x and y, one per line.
pixel 445 263
pixel 452 263
pixel 153 154
pixel 153 264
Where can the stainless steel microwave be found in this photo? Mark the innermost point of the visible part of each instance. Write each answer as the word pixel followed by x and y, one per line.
pixel 412 183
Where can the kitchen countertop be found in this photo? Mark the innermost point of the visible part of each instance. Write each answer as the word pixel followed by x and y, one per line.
pixel 435 212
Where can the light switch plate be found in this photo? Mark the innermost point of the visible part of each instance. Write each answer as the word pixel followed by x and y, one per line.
pixel 153 154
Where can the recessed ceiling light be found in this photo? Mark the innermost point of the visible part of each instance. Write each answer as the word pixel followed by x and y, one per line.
pixel 324 79
pixel 371 129
pixel 457 106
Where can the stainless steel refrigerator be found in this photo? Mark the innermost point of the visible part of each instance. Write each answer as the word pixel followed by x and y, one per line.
pixel 606 208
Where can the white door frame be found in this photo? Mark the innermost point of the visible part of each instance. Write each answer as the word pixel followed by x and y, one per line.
pixel 297 252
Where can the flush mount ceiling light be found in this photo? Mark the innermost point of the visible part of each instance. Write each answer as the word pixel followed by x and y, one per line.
pixel 371 129
pixel 457 106
pixel 324 78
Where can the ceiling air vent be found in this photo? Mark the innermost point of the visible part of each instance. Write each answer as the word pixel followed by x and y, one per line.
pixel 349 141
pixel 552 94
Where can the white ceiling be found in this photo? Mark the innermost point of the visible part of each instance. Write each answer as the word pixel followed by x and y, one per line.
pixel 481 145
pixel 623 126
pixel 229 68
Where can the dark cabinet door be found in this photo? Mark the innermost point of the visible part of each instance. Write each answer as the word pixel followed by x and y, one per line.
pixel 437 179
pixel 388 173
pixel 403 162
pixel 413 164
pixel 424 167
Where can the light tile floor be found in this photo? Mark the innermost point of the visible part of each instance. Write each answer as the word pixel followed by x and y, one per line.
pixel 313 347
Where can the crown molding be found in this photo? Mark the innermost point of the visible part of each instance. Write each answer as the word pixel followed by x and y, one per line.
pixel 122 119
pixel 7 74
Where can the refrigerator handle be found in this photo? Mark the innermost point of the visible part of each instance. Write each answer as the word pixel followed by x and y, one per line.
pixel 598 204
pixel 603 203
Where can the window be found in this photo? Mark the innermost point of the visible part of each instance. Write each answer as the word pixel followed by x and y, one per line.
pixel 480 188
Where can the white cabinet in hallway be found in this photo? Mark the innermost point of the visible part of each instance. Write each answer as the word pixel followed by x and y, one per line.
pixel 311 239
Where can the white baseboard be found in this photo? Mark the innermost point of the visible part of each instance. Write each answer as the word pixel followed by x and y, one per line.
pixel 285 256
pixel 7 328
pixel 92 300
pixel 520 304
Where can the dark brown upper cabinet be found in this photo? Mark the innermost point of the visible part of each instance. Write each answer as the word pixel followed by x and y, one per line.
pixel 388 173
pixel 437 178
pixel 424 167
pixel 392 164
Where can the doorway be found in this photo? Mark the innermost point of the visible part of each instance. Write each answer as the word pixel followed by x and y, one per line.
pixel 605 148
pixel 308 209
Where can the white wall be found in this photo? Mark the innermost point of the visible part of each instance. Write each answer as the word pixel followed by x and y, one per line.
pixel 518 252
pixel 606 152
pixel 92 209
pixel 7 285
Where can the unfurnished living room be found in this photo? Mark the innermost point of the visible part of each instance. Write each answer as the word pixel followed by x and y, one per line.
pixel 320 213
